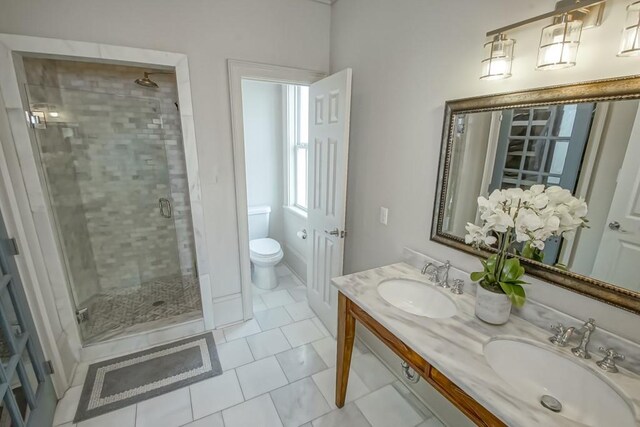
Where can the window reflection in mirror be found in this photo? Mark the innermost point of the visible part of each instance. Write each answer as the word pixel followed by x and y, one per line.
pixel 591 149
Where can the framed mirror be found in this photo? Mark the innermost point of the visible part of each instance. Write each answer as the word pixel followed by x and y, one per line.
pixel 583 137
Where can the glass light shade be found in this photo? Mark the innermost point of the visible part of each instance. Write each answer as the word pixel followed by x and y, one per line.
pixel 498 58
pixel 630 43
pixel 559 44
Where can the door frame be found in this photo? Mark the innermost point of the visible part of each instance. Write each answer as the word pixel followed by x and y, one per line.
pixel 30 218
pixel 239 70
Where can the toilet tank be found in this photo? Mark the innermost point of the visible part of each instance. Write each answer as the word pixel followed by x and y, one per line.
pixel 259 222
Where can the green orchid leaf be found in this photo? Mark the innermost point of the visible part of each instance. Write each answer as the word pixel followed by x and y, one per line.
pixel 512 271
pixel 478 275
pixel 515 293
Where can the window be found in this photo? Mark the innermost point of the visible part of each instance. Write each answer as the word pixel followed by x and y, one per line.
pixel 298 144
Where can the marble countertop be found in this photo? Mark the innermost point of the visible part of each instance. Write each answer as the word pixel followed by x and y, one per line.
pixel 455 345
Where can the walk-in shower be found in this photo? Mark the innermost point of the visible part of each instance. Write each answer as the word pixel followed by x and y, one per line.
pixel 112 163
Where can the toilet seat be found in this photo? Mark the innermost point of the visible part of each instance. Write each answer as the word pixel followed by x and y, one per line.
pixel 264 248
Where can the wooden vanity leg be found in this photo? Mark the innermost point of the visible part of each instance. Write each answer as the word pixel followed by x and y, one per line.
pixel 346 335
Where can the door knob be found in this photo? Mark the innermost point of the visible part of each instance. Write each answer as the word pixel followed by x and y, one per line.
pixel 334 232
pixel 615 225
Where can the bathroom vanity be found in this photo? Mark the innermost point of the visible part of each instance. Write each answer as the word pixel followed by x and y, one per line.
pixel 496 375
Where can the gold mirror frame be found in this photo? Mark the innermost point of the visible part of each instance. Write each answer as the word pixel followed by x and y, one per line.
pixel 617 89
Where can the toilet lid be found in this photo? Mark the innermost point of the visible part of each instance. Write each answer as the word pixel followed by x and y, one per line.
pixel 264 247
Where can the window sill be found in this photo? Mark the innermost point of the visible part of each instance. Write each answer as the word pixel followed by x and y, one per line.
pixel 296 211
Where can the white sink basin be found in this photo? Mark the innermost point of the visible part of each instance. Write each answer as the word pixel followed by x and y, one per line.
pixel 417 298
pixel 535 372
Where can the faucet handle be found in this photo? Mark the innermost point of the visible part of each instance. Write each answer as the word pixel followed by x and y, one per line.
pixel 608 364
pixel 558 339
pixel 457 287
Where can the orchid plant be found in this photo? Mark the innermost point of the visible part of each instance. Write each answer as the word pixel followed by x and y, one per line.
pixel 515 218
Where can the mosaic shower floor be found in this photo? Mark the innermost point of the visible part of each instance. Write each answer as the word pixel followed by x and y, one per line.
pixel 122 312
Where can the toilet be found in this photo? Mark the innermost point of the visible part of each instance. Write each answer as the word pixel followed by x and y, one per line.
pixel 264 252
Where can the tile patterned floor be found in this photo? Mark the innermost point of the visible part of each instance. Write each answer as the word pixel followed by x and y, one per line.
pixel 279 370
pixel 119 312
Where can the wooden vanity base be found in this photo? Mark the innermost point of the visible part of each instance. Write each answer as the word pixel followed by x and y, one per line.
pixel 348 313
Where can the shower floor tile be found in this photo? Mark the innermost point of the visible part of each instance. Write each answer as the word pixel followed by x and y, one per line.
pixel 126 311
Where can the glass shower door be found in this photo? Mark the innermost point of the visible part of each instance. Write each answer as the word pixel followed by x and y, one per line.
pixel 104 164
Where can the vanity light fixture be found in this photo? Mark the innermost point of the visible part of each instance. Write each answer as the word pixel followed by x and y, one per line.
pixel 498 58
pixel 630 43
pixel 559 43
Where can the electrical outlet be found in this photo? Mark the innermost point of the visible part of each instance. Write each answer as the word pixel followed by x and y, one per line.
pixel 384 215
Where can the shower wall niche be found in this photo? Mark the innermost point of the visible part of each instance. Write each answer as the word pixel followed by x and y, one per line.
pixel 112 161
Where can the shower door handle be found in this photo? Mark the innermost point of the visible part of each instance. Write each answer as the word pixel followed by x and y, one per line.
pixel 165 207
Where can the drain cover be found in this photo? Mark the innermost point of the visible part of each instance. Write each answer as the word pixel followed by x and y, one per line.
pixel 157 303
pixel 551 403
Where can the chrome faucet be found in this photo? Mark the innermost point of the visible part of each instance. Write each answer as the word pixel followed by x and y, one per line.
pixel 445 280
pixel 562 336
pixel 433 272
pixel 586 330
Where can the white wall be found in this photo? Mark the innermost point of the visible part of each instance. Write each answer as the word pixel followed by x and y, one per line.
pixel 295 248
pixel 283 32
pixel 408 58
pixel 263 144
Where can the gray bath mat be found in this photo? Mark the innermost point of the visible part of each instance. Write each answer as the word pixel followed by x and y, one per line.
pixel 123 381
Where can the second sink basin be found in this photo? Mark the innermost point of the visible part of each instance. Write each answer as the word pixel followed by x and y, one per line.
pixel 576 392
pixel 417 298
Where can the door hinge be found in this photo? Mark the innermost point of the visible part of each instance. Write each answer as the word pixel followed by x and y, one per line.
pixel 36 119
pixel 11 246
pixel 343 234
pixel 48 367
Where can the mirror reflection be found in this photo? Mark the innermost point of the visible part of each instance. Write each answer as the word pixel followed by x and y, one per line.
pixel 590 149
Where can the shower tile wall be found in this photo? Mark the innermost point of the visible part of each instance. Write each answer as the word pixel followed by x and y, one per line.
pixel 115 149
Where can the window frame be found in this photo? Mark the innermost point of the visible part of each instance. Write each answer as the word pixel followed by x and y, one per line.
pixel 293 143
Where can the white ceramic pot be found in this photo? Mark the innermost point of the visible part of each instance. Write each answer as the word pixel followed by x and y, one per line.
pixel 492 307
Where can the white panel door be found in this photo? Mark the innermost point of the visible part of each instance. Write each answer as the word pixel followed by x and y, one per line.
pixel 618 257
pixel 329 112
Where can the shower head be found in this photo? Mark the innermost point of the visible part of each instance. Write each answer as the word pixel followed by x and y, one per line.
pixel 146 81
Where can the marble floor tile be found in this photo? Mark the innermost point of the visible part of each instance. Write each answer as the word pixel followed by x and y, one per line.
pixel 316 321
pixel 282 270
pixel 288 282
pixel 273 318
pixel 241 330
pixel 300 311
pixel 260 377
pixel 67 406
pixel 267 343
pixel 300 362
pixel 327 349
pixel 257 412
pixel 387 408
pixel 125 417
pixel 326 382
pixel 258 304
pixel 234 353
pixel 218 336
pixel 167 410
pixel 299 402
pixel 299 293
pixel 214 420
pixel 349 416
pixel 372 371
pixel 412 399
pixel 277 298
pixel 302 332
pixel 80 374
pixel 215 394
